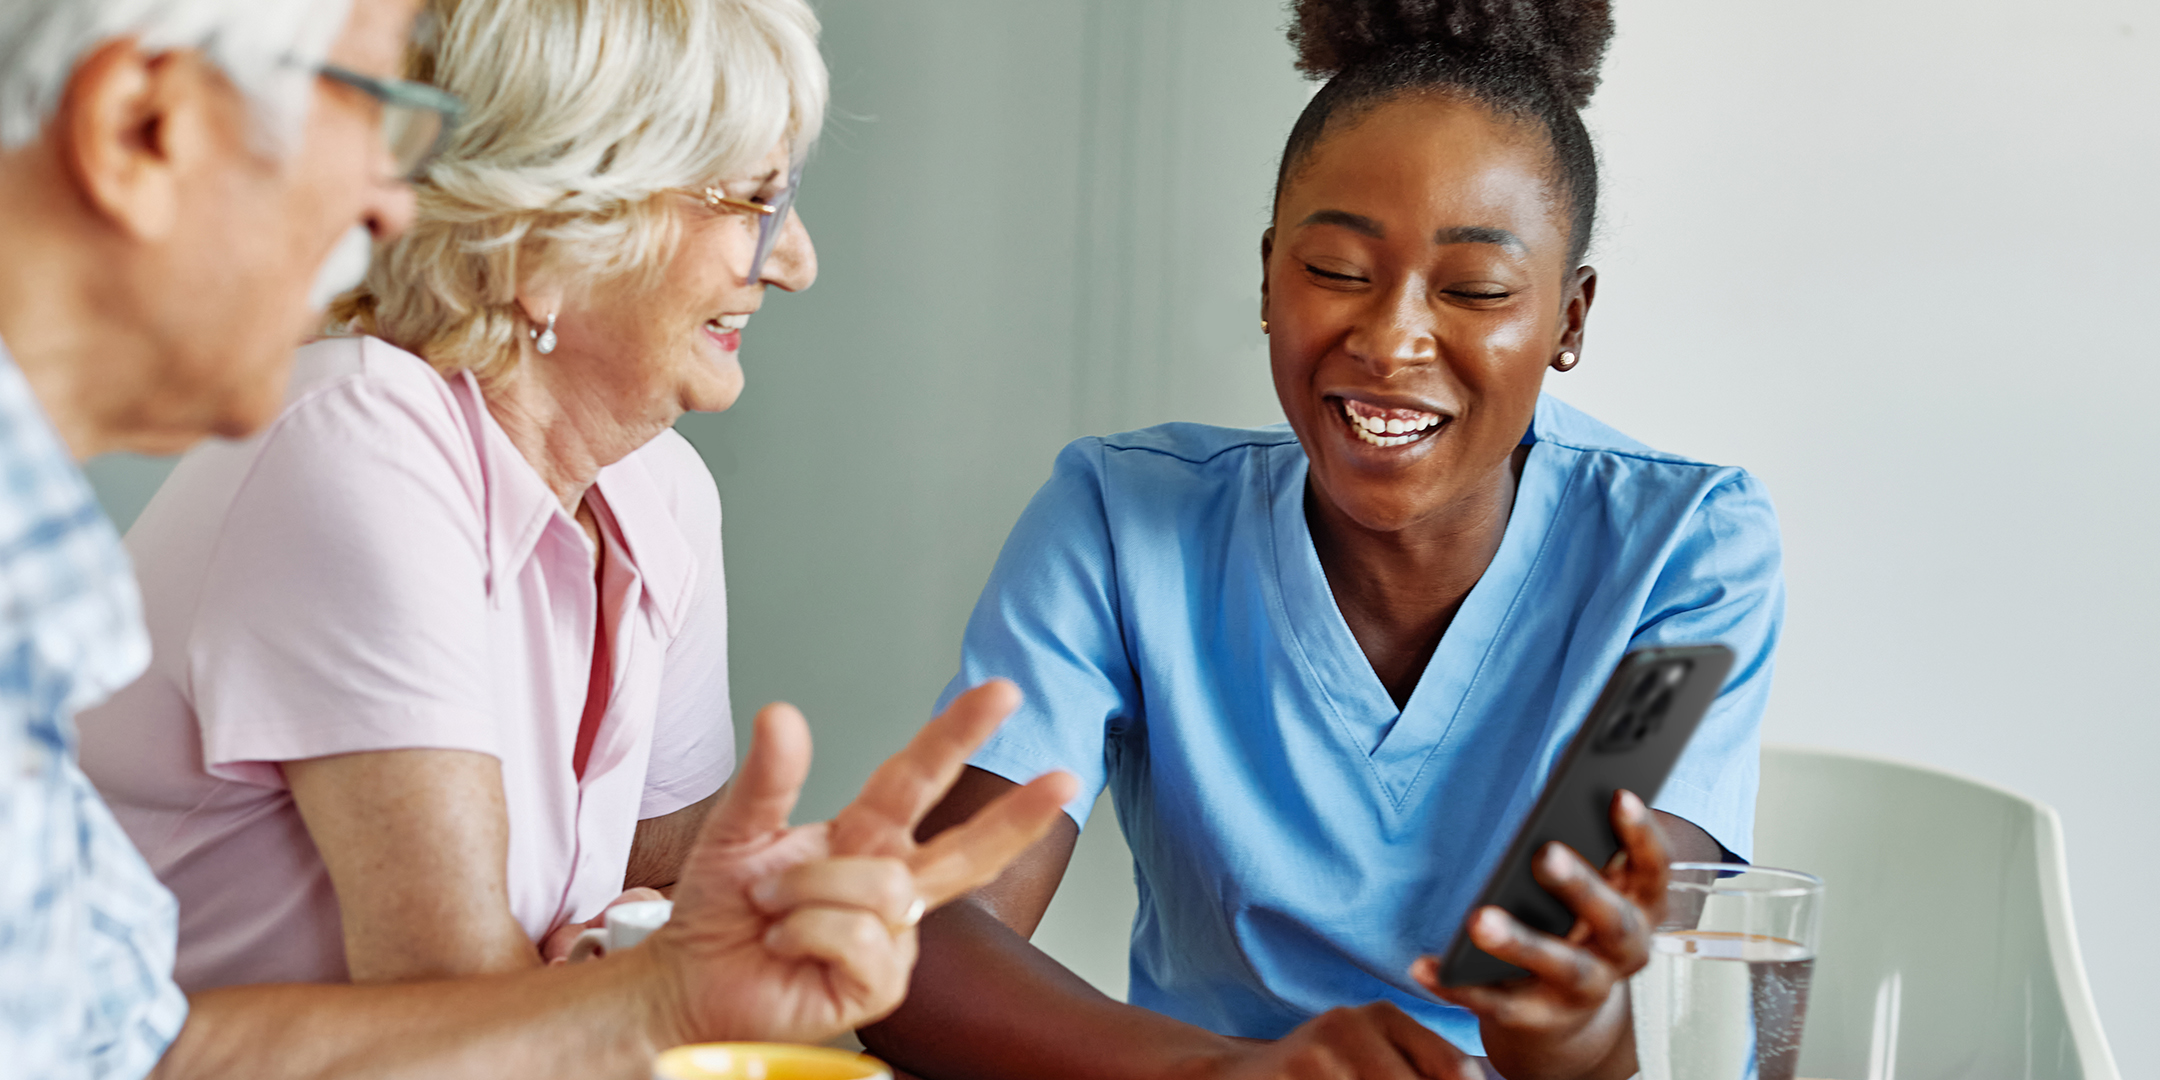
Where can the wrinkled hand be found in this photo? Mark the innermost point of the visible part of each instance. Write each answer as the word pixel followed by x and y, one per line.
pixel 1371 1042
pixel 798 934
pixel 1569 1015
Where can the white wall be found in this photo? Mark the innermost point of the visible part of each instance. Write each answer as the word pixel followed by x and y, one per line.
pixel 1896 258
pixel 1892 256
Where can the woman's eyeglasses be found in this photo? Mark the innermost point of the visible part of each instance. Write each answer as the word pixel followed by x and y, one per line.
pixel 416 118
pixel 771 217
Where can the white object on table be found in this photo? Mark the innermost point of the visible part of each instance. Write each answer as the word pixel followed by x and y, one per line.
pixel 627 924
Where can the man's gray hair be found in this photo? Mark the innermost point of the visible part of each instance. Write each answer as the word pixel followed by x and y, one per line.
pixel 268 48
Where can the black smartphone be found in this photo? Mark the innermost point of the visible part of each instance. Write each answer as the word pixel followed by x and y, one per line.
pixel 1634 734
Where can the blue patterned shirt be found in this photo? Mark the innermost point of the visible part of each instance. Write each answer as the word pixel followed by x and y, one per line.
pixel 86 931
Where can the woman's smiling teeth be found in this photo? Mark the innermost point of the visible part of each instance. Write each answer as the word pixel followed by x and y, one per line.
pixel 726 323
pixel 1388 427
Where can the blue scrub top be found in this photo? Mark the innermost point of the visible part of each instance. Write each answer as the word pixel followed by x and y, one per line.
pixel 1298 840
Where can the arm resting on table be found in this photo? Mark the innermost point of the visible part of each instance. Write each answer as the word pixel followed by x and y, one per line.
pixel 602 1019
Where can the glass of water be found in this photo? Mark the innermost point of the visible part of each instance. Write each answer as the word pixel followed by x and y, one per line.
pixel 1725 993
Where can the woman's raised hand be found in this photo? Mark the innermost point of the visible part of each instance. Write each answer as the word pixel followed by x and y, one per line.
pixel 1570 1018
pixel 800 933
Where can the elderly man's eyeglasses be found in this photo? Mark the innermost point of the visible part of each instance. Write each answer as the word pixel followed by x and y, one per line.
pixel 416 117
pixel 771 217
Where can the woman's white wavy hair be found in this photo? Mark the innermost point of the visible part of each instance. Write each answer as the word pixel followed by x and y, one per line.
pixel 581 115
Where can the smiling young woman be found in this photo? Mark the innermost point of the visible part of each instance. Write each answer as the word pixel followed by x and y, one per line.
pixel 1417 288
pixel 1324 671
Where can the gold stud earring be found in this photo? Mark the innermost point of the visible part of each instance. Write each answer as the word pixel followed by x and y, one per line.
pixel 1566 362
pixel 1263 326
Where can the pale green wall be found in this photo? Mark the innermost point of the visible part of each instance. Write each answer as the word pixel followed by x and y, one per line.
pixel 125 482
pixel 1034 221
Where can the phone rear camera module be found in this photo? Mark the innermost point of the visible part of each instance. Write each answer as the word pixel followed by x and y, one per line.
pixel 1643 688
pixel 1634 724
pixel 1658 707
pixel 1647 703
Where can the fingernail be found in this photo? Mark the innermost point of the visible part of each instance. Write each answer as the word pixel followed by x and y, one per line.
pixel 772 937
pixel 1630 804
pixel 1490 924
pixel 765 893
pixel 1556 861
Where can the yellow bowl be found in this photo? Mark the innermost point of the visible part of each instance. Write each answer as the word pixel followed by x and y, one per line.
pixel 765 1061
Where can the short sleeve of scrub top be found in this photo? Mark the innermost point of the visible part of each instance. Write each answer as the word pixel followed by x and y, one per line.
pixel 1297 839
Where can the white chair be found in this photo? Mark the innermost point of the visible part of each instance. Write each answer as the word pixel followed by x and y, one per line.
pixel 1948 950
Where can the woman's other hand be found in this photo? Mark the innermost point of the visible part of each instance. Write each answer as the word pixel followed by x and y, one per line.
pixel 798 934
pixel 555 948
pixel 1370 1042
pixel 1569 1018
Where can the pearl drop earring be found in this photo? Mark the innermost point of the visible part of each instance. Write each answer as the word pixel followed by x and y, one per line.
pixel 544 340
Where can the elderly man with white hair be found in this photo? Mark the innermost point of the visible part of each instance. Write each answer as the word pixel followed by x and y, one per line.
pixel 175 178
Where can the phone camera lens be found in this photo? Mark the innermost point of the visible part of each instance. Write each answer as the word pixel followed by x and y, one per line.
pixel 1657 708
pixel 1644 713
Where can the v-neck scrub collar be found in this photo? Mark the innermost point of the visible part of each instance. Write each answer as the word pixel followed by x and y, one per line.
pixel 1398 742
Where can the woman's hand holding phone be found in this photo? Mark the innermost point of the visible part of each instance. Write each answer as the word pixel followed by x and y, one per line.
pixel 1570 1017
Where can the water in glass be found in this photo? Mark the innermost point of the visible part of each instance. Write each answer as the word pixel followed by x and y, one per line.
pixel 1717 1005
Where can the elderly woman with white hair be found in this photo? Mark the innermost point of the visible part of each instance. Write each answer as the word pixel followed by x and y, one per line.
pixel 441 655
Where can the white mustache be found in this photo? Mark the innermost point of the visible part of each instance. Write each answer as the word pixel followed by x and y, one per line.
pixel 347 264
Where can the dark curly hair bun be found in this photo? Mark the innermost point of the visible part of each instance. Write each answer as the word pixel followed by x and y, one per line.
pixel 1563 39
pixel 1533 59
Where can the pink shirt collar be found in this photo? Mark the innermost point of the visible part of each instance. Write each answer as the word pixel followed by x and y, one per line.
pixel 521 508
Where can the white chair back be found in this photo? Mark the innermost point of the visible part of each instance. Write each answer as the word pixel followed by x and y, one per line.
pixel 1948 949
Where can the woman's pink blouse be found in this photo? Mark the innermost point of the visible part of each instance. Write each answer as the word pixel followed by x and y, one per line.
pixel 381 569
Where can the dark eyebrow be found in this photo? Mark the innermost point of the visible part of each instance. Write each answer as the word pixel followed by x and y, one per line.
pixel 1357 223
pixel 1459 234
pixel 1479 234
